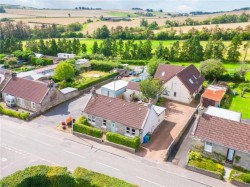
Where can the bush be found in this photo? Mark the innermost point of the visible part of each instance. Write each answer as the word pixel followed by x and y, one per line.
pixel 195 155
pixel 82 121
pixel 123 140
pixel 41 61
pixel 87 178
pixel 13 113
pixel 87 130
pixel 239 176
pixel 104 65
pixel 96 81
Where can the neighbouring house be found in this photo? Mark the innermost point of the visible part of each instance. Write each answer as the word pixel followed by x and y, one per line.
pixel 226 137
pixel 180 83
pixel 66 55
pixel 114 89
pixel 34 96
pixel 83 63
pixel 119 116
pixel 38 74
pixel 2 72
pixel 213 96
pixel 55 59
pixel 132 89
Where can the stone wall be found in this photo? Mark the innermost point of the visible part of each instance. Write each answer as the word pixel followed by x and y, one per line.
pixel 71 95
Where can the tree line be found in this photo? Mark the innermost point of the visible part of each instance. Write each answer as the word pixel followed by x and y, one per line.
pixel 186 51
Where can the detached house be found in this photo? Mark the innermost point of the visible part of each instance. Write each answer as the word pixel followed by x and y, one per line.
pixel 31 95
pixel 180 83
pixel 126 118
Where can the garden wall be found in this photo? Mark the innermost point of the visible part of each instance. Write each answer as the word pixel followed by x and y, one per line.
pixel 204 172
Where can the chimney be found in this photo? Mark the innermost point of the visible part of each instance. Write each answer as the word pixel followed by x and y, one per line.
pixel 93 92
pixel 150 102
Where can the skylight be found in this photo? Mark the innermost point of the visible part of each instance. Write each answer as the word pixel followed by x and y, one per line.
pixel 191 81
pixel 163 73
pixel 195 77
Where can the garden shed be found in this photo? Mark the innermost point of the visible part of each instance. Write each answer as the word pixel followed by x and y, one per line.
pixel 114 89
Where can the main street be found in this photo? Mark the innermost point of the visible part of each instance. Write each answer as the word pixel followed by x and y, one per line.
pixel 24 144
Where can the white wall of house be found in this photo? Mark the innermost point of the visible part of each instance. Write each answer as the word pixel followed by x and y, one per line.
pixel 176 90
pixel 65 55
pixel 152 122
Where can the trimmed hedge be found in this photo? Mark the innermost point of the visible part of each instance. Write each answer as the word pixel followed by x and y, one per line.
pixel 240 176
pixel 13 113
pixel 94 82
pixel 123 140
pixel 95 132
pixel 41 61
pixel 42 175
pixel 82 121
pixel 104 65
pixel 55 176
pixel 87 178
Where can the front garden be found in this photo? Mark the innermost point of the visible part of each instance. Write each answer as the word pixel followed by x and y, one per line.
pixel 196 160
pixel 13 113
pixel 240 175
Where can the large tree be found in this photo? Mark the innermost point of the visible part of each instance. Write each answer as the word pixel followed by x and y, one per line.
pixel 212 68
pixel 233 51
pixel 245 87
pixel 64 71
pixel 151 88
pixel 152 66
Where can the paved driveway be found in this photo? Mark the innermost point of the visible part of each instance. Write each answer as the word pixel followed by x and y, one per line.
pixel 177 117
pixel 58 114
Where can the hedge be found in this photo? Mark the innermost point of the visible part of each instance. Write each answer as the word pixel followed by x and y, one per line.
pixel 41 61
pixel 104 65
pixel 82 121
pixel 123 140
pixel 55 176
pixel 240 176
pixel 87 130
pixel 87 178
pixel 96 81
pixel 42 175
pixel 13 113
pixel 139 62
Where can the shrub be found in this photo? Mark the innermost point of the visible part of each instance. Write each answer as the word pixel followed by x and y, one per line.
pixel 94 82
pixel 13 113
pixel 239 176
pixel 88 130
pixel 239 168
pixel 123 140
pixel 87 178
pixel 41 61
pixel 82 121
pixel 104 65
pixel 195 155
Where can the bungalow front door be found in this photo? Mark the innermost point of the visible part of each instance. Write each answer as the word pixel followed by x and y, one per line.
pixel 230 155
pixel 113 127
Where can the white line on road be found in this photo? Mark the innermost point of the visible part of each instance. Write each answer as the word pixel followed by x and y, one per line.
pixel 157 184
pixel 108 166
pixel 74 153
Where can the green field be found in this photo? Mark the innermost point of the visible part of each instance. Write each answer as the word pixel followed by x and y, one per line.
pixel 122 14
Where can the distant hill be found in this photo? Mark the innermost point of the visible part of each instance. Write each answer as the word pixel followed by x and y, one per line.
pixel 203 13
pixel 9 6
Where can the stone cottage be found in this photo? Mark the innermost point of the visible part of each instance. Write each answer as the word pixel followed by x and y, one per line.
pixel 230 138
pixel 35 96
pixel 126 118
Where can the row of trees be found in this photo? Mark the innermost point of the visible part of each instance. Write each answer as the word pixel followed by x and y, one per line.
pixel 189 50
pixel 143 33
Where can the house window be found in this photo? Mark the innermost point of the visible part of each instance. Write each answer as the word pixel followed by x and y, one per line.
pixel 174 94
pixel 133 132
pixel 91 119
pixel 128 130
pixel 33 105
pixel 104 122
pixel 208 147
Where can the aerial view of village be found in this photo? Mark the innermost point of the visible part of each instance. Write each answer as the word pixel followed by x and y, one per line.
pixel 117 93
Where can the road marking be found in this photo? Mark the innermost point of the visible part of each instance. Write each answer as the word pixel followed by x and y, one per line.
pixel 157 184
pixel 108 166
pixel 4 159
pixel 74 153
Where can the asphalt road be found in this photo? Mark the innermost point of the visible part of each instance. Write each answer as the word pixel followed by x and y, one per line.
pixel 25 144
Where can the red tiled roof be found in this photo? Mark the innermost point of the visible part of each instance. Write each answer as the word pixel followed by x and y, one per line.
pixel 117 110
pixel 191 78
pixel 165 72
pixel 215 93
pixel 26 89
pixel 228 133
pixel 133 86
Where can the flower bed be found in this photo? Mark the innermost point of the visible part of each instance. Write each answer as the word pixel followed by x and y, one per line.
pixel 240 177
pixel 205 164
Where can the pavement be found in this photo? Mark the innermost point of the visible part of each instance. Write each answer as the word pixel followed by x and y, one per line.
pixel 26 143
